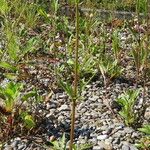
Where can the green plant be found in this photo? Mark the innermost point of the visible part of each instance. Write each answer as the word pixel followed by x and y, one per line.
pixel 13 109
pixel 116 45
pixel 61 144
pixel 10 95
pixel 109 68
pixel 145 129
pixel 144 142
pixel 76 78
pixel 127 101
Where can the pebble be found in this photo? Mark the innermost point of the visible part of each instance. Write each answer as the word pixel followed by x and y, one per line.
pixel 102 137
pixel 125 147
pixel 64 108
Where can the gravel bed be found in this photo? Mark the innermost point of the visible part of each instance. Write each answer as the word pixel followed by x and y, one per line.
pixel 94 123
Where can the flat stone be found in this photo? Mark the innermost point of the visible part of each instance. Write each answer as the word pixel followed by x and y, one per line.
pixel 98 148
pixel 14 143
pixel 102 137
pixel 8 147
pixel 132 147
pixel 125 147
pixel 128 130
pixel 64 108
pixel 104 145
pixel 21 147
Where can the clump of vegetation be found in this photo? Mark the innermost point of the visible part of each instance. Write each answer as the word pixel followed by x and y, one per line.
pixel 14 109
pixel 144 142
pixel 127 101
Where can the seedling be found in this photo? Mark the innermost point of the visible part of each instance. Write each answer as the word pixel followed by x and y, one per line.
pixel 116 45
pixel 109 69
pixel 61 144
pixel 12 107
pixel 144 142
pixel 128 100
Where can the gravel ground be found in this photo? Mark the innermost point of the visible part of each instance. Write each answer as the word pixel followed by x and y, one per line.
pixel 94 123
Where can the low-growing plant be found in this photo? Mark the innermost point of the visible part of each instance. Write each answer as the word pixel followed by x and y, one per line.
pixel 109 68
pixel 116 45
pixel 127 101
pixel 13 110
pixel 61 144
pixel 144 142
pixel 145 129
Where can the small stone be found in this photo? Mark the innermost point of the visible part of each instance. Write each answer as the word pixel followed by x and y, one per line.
pixel 132 147
pixel 93 140
pixel 64 108
pixel 83 110
pixel 125 147
pixel 135 135
pixel 128 130
pixel 8 147
pixel 63 96
pixel 98 148
pixel 14 143
pixel 21 147
pixel 102 137
pixel 105 146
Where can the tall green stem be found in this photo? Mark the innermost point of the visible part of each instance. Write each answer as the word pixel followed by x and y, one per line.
pixel 75 78
pixel 147 51
pixel 139 41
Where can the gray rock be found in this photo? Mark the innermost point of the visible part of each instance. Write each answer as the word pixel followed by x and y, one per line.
pixel 132 147
pixel 21 147
pixel 63 96
pixel 14 143
pixel 64 108
pixel 125 147
pixel 8 147
pixel 102 137
pixel 98 148
pixel 83 110
pixel 104 145
pixel 135 135
pixel 93 141
pixel 128 130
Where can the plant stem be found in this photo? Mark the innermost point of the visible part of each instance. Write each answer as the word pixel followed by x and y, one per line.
pixel 139 40
pixel 146 59
pixel 75 79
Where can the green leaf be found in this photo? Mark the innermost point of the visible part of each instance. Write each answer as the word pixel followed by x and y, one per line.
pixel 11 76
pixel 29 95
pixel 3 7
pixel 145 129
pixel 59 144
pixel 8 66
pixel 29 122
pixel 67 87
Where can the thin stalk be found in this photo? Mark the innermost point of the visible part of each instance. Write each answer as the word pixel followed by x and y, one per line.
pixel 147 49
pixel 75 78
pixel 139 40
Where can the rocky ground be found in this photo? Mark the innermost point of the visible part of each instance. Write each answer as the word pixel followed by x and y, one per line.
pixel 95 123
